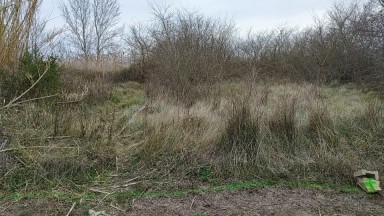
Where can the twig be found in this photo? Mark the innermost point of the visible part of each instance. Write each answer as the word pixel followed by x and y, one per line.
pixel 105 197
pixel 19 160
pixel 24 93
pixel 34 147
pixel 98 191
pixel 117 208
pixel 6 174
pixel 70 210
pixel 33 99
pixel 131 180
pixel 125 185
pixel 193 201
pixel 130 184
pixel 107 194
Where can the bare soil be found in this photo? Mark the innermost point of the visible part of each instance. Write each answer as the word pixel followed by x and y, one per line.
pixel 265 201
pixel 262 201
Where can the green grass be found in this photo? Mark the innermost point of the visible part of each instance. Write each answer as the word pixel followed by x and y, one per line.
pixel 127 95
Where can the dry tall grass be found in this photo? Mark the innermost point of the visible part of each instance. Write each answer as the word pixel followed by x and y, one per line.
pixel 270 131
pixel 196 119
pixel 300 133
pixel 16 19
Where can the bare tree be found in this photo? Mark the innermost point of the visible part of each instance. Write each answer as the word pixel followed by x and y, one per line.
pixel 105 18
pixel 78 17
pixel 93 25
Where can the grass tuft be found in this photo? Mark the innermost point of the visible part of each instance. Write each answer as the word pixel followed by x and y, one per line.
pixel 283 123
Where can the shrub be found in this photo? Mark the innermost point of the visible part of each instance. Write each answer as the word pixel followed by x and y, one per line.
pixel 188 49
pixel 31 68
pixel 136 72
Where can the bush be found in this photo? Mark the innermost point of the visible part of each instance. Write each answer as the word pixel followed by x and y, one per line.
pixel 136 72
pixel 29 71
pixel 180 51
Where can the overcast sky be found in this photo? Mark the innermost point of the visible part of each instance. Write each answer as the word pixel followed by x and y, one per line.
pixel 256 14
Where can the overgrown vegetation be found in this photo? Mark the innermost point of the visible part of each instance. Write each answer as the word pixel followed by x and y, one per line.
pixel 207 107
pixel 16 19
pixel 29 72
pixel 182 50
pixel 185 49
pixel 292 136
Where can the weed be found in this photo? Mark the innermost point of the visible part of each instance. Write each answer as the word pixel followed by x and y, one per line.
pixel 283 122
pixel 296 137
pixel 241 133
pixel 204 173
pixel 122 197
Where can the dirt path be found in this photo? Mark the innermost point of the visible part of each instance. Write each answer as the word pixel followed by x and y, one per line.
pixel 261 201
pixel 266 201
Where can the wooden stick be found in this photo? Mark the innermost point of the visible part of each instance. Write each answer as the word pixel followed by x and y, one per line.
pixel 193 202
pixel 99 191
pixel 33 99
pixel 117 208
pixel 70 210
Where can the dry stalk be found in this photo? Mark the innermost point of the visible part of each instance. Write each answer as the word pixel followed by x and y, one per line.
pixel 16 19
pixel 36 147
pixel 70 210
pixel 33 99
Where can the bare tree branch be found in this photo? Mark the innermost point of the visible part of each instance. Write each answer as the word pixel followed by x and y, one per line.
pixel 92 25
pixel 105 17
pixel 77 15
